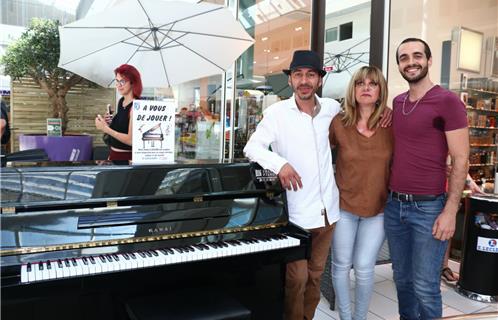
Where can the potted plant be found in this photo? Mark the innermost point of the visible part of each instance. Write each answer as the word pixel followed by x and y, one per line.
pixel 36 54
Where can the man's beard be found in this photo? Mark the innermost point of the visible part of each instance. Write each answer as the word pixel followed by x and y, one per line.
pixel 308 96
pixel 423 74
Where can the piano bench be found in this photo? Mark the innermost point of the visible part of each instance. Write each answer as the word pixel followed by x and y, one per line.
pixel 195 304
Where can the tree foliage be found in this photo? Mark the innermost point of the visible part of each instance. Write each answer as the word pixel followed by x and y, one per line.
pixel 36 54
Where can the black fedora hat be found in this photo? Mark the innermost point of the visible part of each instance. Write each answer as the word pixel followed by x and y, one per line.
pixel 306 59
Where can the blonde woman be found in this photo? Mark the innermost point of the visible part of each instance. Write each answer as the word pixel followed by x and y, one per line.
pixel 362 174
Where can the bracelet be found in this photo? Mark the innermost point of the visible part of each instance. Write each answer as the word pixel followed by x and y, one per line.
pixel 467 182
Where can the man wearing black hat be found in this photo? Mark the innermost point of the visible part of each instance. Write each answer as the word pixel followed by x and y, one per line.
pixel 297 130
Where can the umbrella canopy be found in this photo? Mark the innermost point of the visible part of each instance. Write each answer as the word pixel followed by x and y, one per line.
pixel 169 42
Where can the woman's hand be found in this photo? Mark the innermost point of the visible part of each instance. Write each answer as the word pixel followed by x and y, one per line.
pixel 386 119
pixel 100 123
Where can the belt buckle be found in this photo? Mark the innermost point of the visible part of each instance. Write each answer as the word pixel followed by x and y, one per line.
pixel 404 197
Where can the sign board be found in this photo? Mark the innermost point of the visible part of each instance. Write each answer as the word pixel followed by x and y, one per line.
pixel 487 244
pixel 153 132
pixel 54 127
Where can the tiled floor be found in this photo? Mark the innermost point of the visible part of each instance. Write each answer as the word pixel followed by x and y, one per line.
pixel 384 301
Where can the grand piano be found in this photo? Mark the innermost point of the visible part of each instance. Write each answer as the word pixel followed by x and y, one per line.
pixel 153 134
pixel 82 242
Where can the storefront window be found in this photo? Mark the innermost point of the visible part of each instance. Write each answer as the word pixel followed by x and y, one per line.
pixel 283 28
pixel 198 118
pixel 347 43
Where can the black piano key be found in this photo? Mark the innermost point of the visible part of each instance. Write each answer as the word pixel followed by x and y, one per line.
pixel 49 265
pixel 108 257
pixel 40 266
pixel 179 250
pixel 133 256
pixel 92 260
pixel 148 254
pixel 154 253
pixel 73 261
pixel 115 256
pixel 164 251
pixel 28 267
pixel 102 258
pixel 126 256
pixel 169 250
pixel 59 263
pixel 199 246
pixel 140 253
pixel 85 261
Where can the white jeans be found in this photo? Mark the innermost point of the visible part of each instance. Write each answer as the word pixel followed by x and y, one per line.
pixel 356 242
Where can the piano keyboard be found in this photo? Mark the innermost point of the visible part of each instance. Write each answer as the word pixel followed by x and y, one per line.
pixel 74 267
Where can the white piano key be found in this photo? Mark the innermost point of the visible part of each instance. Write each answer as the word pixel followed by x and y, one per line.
pixel 127 262
pixel 103 263
pixel 111 266
pixel 77 267
pixel 58 269
pixel 97 265
pixel 51 271
pixel 134 263
pixel 45 272
pixel 121 262
pixel 24 273
pixel 65 269
pixel 31 274
pixel 92 267
pixel 84 266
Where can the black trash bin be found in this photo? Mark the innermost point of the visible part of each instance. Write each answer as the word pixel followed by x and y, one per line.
pixel 479 266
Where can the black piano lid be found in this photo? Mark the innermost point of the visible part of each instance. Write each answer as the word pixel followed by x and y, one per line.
pixel 51 188
pixel 44 207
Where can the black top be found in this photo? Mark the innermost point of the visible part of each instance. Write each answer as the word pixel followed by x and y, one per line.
pixel 120 123
pixel 5 116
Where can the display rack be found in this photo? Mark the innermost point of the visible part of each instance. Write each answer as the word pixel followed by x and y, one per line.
pixel 480 96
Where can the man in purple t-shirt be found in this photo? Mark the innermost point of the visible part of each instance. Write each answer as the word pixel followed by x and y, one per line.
pixel 428 123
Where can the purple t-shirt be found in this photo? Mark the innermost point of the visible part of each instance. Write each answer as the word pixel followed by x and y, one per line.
pixel 420 148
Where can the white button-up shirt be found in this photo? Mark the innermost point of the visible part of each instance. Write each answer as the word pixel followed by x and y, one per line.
pixel 302 141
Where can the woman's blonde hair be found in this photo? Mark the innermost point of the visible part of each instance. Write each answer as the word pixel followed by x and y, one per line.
pixel 351 115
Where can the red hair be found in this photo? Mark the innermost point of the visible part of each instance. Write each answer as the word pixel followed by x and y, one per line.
pixel 131 74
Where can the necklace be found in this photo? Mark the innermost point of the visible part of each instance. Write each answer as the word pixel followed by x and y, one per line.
pixel 416 102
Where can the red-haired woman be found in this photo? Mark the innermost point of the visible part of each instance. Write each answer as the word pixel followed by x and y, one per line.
pixel 119 127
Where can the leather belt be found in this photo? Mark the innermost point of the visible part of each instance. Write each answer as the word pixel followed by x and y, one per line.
pixel 405 197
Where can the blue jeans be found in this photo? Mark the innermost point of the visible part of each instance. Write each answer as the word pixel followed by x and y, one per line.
pixel 416 256
pixel 356 241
